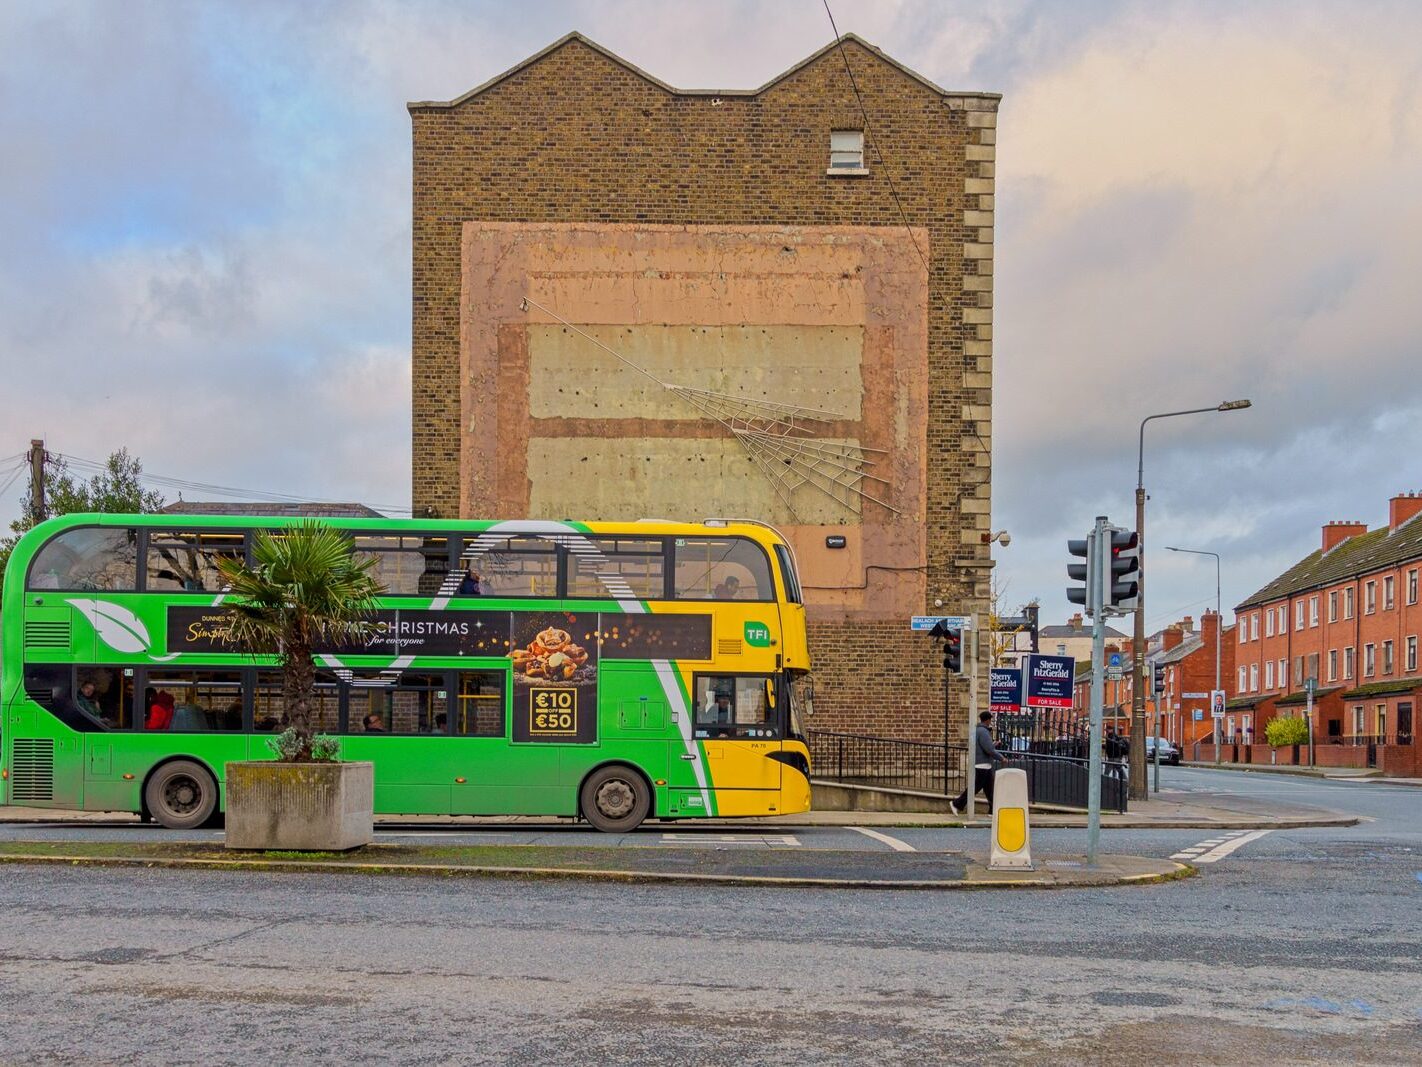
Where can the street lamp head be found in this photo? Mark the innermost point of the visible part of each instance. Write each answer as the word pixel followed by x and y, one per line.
pixel 1235 405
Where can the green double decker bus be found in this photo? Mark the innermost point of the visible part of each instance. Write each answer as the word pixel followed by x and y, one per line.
pixel 608 671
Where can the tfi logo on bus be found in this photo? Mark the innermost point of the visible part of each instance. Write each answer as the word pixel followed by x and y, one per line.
pixel 552 712
pixel 757 635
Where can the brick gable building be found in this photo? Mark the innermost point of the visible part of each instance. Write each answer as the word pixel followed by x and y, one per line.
pixel 729 240
pixel 1349 617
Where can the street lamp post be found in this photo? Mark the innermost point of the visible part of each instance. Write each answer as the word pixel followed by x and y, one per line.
pixel 1219 626
pixel 1138 724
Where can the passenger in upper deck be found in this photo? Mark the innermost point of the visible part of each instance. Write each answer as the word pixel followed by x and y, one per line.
pixel 471 584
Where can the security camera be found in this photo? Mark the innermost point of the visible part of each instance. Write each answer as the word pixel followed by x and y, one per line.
pixel 1004 539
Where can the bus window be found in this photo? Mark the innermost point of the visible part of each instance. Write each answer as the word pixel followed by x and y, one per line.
pixel 105 694
pixel 410 704
pixel 480 711
pixel 193 701
pixel 406 566
pixel 787 572
pixel 721 568
pixel 523 567
pixel 638 566
pixel 268 705
pixel 90 557
pixel 187 559
pixel 733 705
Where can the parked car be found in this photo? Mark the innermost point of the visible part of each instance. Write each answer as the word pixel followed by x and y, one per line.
pixel 1168 752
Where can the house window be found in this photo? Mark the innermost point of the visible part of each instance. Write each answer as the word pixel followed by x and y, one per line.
pixel 1269 674
pixel 1268 624
pixel 1313 611
pixel 1298 615
pixel 1333 606
pixel 1388 595
pixel 1370 598
pixel 846 152
pixel 1254 677
pixel 1381 720
pixel 1283 619
pixel 1348 603
pixel 1283 673
pixel 1244 631
pixel 1387 657
pixel 1412 586
pixel 1358 726
pixel 1254 627
pixel 1243 680
pixel 1370 660
pixel 1333 665
pixel 1412 653
pixel 1312 667
pixel 1349 656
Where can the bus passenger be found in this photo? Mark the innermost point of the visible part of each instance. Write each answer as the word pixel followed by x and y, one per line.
pixel 86 700
pixel 374 724
pixel 727 589
pixel 471 584
pixel 160 709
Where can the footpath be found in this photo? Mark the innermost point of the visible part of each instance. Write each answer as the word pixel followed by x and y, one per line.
pixel 1337 774
pixel 963 868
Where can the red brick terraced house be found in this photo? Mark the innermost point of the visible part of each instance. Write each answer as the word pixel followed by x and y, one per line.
pixel 1349 617
pixel 1189 676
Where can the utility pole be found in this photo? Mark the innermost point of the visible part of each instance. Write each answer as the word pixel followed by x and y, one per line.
pixel 38 511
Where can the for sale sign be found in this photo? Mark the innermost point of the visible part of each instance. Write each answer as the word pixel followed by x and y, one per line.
pixel 1049 681
pixel 1005 688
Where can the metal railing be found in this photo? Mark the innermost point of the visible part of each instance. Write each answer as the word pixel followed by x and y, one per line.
pixel 887 763
pixel 1057 769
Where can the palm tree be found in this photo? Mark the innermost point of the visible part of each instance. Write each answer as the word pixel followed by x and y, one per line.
pixel 304 590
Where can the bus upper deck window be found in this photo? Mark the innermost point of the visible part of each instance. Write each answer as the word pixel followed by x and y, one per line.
pixel 88 558
pixel 721 568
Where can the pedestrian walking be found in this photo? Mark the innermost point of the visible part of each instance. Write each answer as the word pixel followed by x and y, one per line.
pixel 985 759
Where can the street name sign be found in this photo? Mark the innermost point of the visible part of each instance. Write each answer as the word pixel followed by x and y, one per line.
pixel 925 623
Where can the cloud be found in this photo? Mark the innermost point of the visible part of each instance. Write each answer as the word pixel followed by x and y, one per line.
pixel 205 217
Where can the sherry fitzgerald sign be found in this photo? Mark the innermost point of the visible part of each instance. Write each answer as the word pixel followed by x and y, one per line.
pixel 1049 681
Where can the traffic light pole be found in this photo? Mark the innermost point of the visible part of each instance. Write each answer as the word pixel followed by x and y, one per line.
pixel 1100 549
pixel 1137 776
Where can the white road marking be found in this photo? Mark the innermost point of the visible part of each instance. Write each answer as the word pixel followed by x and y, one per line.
pixel 1216 849
pixel 784 840
pixel 893 842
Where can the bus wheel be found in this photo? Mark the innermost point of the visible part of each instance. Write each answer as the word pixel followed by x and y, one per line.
pixel 615 799
pixel 181 795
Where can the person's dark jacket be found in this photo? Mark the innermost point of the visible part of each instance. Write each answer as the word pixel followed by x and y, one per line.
pixel 984 750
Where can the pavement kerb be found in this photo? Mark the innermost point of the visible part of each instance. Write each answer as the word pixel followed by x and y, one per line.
pixel 1333 774
pixel 1164 871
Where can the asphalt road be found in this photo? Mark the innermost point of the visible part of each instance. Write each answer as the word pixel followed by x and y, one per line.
pixel 1291 946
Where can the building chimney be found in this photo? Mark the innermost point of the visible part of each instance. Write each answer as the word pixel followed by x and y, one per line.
pixel 1209 623
pixel 1403 507
pixel 1075 621
pixel 1339 530
pixel 1171 637
pixel 1188 624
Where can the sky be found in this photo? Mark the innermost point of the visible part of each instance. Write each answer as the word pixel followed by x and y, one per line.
pixel 205 244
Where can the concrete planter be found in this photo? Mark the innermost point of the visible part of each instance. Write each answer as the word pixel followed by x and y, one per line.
pixel 325 807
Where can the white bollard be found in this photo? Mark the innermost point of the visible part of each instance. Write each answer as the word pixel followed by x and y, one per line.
pixel 1011 828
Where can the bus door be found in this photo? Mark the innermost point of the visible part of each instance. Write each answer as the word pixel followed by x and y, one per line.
pixel 737 723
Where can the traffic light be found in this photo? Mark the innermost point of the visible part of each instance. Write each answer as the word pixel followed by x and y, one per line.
pixel 1123 582
pixel 953 650
pixel 1085 595
pixel 1159 678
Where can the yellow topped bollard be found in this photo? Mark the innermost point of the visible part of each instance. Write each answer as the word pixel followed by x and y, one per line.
pixel 1011 828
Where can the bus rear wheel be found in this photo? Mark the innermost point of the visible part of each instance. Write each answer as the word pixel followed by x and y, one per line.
pixel 616 799
pixel 181 795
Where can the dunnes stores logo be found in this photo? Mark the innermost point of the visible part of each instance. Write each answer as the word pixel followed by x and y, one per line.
pixel 431 633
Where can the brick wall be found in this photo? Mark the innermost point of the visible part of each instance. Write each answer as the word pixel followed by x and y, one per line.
pixel 578 135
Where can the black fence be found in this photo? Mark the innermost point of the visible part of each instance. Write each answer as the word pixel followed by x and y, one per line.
pixel 1057 767
pixel 887 763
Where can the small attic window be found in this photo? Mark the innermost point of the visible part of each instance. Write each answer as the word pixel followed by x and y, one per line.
pixel 846 152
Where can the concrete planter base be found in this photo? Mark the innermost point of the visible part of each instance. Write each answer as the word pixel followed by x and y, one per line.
pixel 315 807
